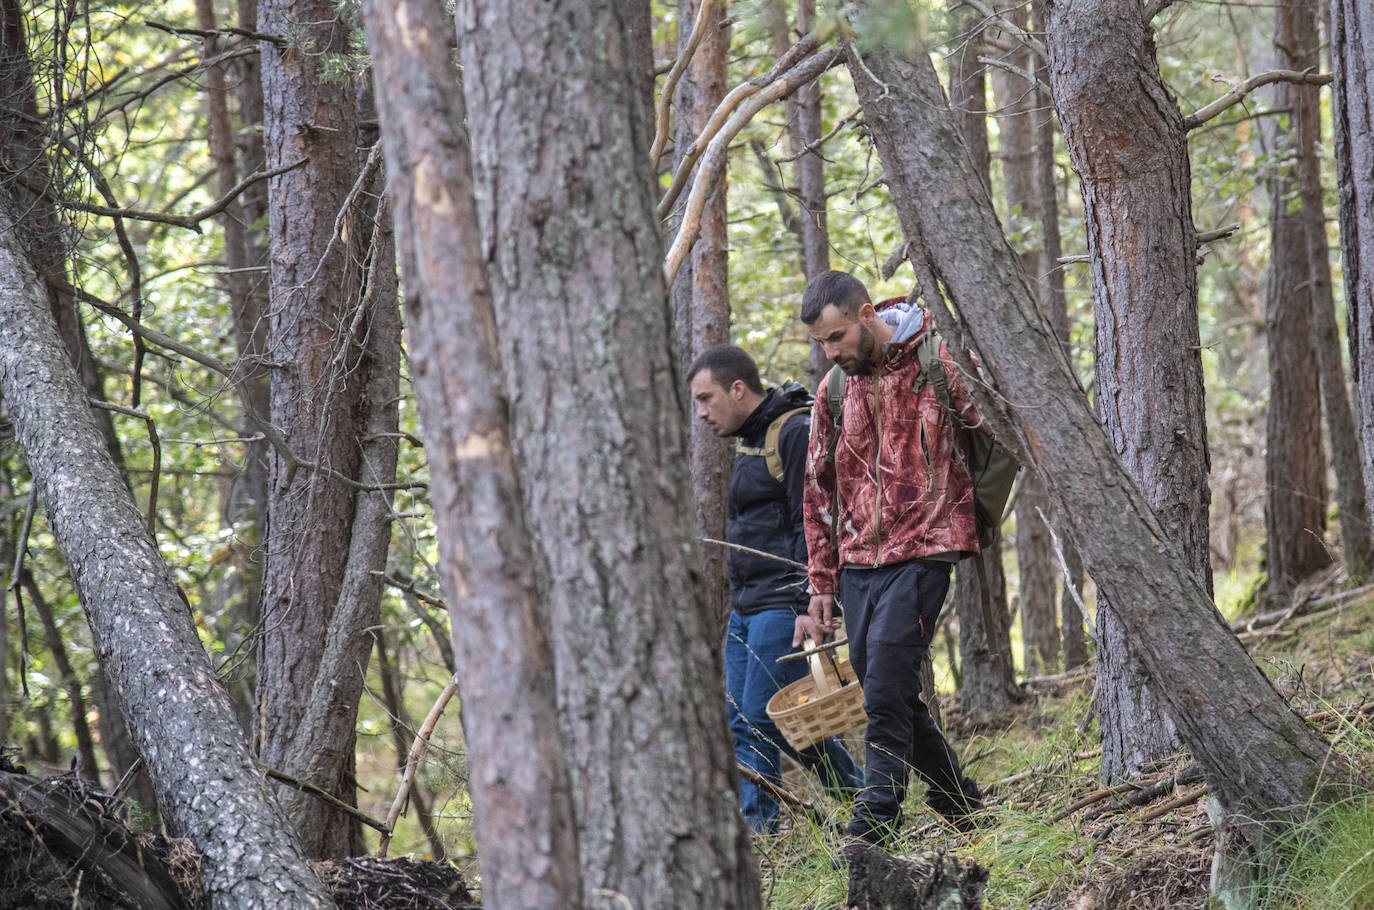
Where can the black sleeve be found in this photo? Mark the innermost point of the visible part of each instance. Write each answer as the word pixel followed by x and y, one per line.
pixel 792 449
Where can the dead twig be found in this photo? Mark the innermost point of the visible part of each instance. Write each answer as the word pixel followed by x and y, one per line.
pixel 151 519
pixel 1238 92
pixel 417 751
pixel 670 84
pixel 326 796
pixel 733 99
pixel 713 162
pixel 1185 799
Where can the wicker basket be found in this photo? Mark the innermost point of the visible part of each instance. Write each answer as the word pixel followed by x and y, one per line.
pixel 826 703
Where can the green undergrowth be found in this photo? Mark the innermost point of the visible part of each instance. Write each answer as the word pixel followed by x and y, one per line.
pixel 1037 764
pixel 1329 861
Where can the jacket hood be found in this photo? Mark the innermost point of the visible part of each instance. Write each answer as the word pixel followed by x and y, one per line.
pixel 789 396
pixel 909 322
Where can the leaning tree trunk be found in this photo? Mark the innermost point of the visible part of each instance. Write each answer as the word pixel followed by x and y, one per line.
pixel 1015 103
pixel 1260 758
pixel 523 809
pixel 701 293
pixel 1127 143
pixel 560 141
pixel 24 150
pixel 1352 112
pixel 208 785
pixel 334 331
pixel 1295 467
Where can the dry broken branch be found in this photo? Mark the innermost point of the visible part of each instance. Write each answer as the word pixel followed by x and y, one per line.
pixel 670 84
pixel 732 100
pixel 713 162
pixel 1238 92
pixel 417 751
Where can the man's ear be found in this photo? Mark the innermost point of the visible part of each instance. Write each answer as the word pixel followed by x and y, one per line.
pixel 867 314
pixel 738 389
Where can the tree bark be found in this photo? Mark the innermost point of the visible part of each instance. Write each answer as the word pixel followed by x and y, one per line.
pixel 968 85
pixel 208 785
pixel 1015 101
pixel 1295 468
pixel 522 799
pixel 1049 293
pixel 566 199
pixel 24 145
pixel 1127 143
pixel 701 294
pixel 1352 113
pixel 1357 543
pixel 987 684
pixel 244 508
pixel 1259 756
pixel 804 128
pixel 334 341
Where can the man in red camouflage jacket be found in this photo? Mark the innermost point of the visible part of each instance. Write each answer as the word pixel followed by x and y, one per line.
pixel 885 545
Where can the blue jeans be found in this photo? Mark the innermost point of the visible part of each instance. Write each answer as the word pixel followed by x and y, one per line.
pixel 752 675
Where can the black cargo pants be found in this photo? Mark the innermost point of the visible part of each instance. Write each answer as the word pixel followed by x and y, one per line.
pixel 890 615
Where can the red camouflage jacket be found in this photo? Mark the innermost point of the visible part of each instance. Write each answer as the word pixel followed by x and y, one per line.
pixel 904 492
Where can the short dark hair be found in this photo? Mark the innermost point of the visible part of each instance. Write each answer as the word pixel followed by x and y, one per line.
pixel 838 289
pixel 727 364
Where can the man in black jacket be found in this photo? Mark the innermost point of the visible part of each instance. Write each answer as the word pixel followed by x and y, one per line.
pixel 765 514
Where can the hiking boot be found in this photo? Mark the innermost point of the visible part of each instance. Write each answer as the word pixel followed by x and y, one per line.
pixel 876 832
pixel 964 811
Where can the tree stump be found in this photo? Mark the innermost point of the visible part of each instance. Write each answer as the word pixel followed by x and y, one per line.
pixel 934 880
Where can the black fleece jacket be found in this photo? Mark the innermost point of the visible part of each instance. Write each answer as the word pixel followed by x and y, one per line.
pixel 766 515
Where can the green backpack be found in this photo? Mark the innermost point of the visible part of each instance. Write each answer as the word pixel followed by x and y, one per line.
pixel 991 466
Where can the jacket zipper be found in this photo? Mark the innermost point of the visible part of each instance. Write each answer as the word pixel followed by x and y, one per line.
pixel 925 455
pixel 877 471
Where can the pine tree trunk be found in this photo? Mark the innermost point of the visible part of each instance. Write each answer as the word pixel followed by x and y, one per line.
pixel 1127 144
pixel 1352 113
pixel 1295 469
pixel 1049 293
pixel 522 800
pixel 987 682
pixel 1259 756
pixel 560 145
pixel 238 594
pixel 209 787
pixel 1015 102
pixel 24 147
pixel 90 768
pixel 334 336
pixel 1357 543
pixel 701 295
pixel 811 222
pixel 988 685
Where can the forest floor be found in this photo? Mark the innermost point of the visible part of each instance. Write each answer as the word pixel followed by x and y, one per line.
pixel 1056 838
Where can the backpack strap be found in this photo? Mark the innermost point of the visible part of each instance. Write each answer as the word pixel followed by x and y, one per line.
pixel 933 371
pixel 834 404
pixel 770 453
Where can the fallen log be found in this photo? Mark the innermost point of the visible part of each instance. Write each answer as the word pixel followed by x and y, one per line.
pixel 63 845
